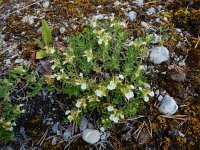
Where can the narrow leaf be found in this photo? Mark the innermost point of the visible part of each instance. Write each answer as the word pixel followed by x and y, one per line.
pixel 41 54
pixel 46 33
pixel 40 44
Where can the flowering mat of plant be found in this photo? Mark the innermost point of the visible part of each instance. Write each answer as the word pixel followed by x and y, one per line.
pixel 101 74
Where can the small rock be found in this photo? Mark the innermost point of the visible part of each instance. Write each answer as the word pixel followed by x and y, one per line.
pixel 181 134
pixel 84 123
pixel 138 2
pixel 104 135
pixel 45 4
pixel 8 61
pixel 160 98
pixel 168 106
pixel 170 67
pixel 18 61
pixel 91 136
pixel 62 30
pixel 165 18
pixel 158 20
pixel 55 127
pixel 117 3
pixel 132 15
pixel 178 30
pixel 99 17
pixel 67 135
pixel 181 63
pixel 145 25
pixel 7 148
pixel 159 54
pixel 157 92
pixel 151 11
pixel 54 141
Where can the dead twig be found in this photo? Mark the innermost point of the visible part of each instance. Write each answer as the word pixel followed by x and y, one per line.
pixel 197 43
pixel 40 142
pixel 73 138
pixel 179 117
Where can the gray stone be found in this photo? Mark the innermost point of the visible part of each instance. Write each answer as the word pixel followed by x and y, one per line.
pixel 157 92
pixel 138 2
pixel 160 98
pixel 67 135
pixel 168 106
pixel 18 61
pixel 132 15
pixel 55 127
pixel 84 123
pixel 45 4
pixel 91 136
pixel 117 3
pixel 159 54
pixel 151 11
pixel 62 30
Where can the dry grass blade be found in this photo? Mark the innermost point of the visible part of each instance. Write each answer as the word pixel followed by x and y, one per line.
pixel 179 117
pixel 42 138
pixel 73 138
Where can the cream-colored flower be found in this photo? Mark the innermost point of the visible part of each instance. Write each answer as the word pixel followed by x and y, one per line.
pixel 151 94
pixel 111 85
pixel 99 93
pixel 146 98
pixel 53 67
pixel 78 104
pixel 121 76
pixel 129 95
pixel 67 112
pixel 110 108
pixel 112 116
pixel 89 55
pixel 68 58
pixel 83 86
pixel 132 87
pixel 116 119
pixel 52 50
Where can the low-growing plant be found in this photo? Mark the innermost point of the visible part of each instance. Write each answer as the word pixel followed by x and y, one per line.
pixel 20 84
pixel 100 71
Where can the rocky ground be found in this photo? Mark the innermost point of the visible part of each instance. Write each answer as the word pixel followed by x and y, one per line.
pixel 172 69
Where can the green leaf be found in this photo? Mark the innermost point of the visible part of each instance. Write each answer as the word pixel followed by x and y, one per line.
pixel 39 43
pixel 41 54
pixel 46 33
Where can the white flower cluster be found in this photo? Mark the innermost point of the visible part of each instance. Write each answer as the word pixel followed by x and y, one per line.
pixel 68 58
pixel 113 83
pixel 89 55
pixel 72 114
pixel 103 37
pixel 116 114
pixel 127 91
pixel 60 75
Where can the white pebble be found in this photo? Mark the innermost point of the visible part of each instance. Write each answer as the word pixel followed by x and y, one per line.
pixel 159 54
pixel 157 92
pixel 138 2
pixel 132 15
pixel 91 136
pixel 117 3
pixel 168 106
pixel 18 61
pixel 160 98
pixel 62 30
pixel 45 4
pixel 151 11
